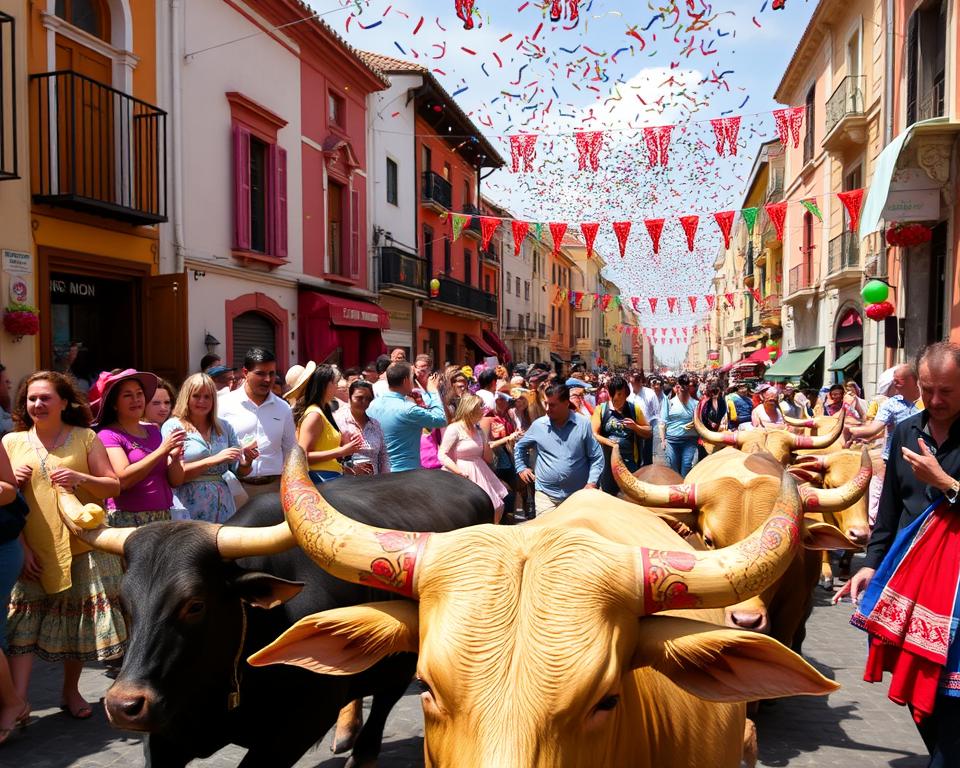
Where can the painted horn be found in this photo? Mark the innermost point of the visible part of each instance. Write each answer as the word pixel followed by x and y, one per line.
pixel 110 540
pixel 819 441
pixel 714 579
pixel 715 438
pixel 837 499
pixel 345 548
pixel 650 494
pixel 234 542
pixel 805 423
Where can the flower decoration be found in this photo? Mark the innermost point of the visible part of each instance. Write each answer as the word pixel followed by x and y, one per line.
pixel 21 320
pixel 908 235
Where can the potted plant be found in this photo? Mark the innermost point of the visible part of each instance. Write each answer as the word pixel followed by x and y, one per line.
pixel 20 320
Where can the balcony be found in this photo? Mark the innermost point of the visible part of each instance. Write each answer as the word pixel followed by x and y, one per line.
pixel 463 296
pixel 97 150
pixel 803 280
pixel 490 255
pixel 517 332
pixel 436 192
pixel 846 123
pixel 402 272
pixel 8 99
pixel 770 313
pixel 843 260
pixel 473 228
pixel 931 102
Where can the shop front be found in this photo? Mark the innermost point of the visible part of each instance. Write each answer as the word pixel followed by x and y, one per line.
pixel 401 313
pixel 848 347
pixel 336 329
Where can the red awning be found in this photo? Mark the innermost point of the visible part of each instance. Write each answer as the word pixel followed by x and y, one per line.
pixel 481 345
pixel 497 343
pixel 343 311
pixel 329 323
pixel 724 368
pixel 762 355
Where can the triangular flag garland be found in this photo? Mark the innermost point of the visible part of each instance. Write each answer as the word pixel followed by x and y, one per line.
pixel 778 214
pixel 459 221
pixel 654 228
pixel 658 144
pixel 811 205
pixel 520 229
pixel 749 217
pixel 589 144
pixel 523 148
pixel 622 231
pixel 589 230
pixel 557 230
pixel 709 298
pixel 653 304
pixel 724 220
pixel 789 123
pixel 693 303
pixel 725 130
pixel 729 298
pixel 852 201
pixel 538 229
pixel 671 303
pixel 488 225
pixel 689 224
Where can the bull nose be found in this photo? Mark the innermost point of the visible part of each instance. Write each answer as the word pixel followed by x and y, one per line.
pixel 859 536
pixel 128 707
pixel 748 620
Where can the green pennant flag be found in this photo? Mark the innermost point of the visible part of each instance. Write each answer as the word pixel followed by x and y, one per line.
pixel 750 217
pixel 459 222
pixel 538 227
pixel 811 205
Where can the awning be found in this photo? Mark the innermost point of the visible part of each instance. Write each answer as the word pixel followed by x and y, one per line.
pixel 481 345
pixel 724 368
pixel 342 311
pixel 497 343
pixel 760 356
pixel 847 359
pixel 885 166
pixel 794 364
pixel 333 328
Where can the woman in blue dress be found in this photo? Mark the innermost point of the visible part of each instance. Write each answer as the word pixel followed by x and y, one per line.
pixel 210 449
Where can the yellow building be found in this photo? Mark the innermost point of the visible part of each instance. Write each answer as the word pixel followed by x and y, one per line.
pixel 98 170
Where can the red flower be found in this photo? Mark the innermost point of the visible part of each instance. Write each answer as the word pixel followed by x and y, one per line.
pixel 908 235
pixel 21 323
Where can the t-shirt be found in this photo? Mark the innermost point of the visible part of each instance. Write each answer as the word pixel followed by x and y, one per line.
pixel 677 416
pixel 894 410
pixel 151 493
pixel 327 440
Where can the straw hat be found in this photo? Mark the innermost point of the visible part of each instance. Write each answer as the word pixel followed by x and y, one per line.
pixel 297 378
pixel 100 391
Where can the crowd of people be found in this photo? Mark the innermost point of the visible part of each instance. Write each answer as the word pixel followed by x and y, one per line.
pixel 134 449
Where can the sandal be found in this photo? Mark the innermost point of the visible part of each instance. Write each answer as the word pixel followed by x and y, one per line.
pixel 22 721
pixel 83 712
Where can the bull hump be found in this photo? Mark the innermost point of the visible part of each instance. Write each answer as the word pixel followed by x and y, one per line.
pixel 763 464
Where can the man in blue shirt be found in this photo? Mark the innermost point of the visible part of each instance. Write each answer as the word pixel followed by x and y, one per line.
pixel 568 455
pixel 403 420
pixel 739 406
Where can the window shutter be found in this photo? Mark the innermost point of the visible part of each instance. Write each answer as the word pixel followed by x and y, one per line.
pixel 354 234
pixel 280 220
pixel 241 187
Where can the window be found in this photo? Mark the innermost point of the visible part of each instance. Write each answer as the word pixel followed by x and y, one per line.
pixel 89 15
pixel 553 273
pixel 509 280
pixel 335 227
pixel 526 290
pixel 486 283
pixel 343 242
pixel 427 247
pixel 553 317
pixel 426 158
pixel 260 189
pixel 466 191
pixel 447 258
pixel 336 108
pixel 518 287
pixel 447 172
pixel 258 196
pixel 583 327
pixel 528 321
pixel 391 181
pixel 926 62
pixel 508 318
pixel 468 267
pixel 809 119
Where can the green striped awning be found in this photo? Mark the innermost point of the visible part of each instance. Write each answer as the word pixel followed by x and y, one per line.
pixel 793 365
pixel 847 359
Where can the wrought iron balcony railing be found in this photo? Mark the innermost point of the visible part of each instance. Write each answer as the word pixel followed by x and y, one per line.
pixel 843 252
pixel 400 269
pixel 465 296
pixel 847 100
pixel 436 190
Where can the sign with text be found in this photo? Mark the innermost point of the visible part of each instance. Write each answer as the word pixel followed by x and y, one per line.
pixel 17 262
pixel 912 196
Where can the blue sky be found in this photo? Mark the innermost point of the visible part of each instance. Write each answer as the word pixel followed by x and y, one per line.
pixel 516 71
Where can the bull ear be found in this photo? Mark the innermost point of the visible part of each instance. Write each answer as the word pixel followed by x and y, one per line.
pixel 817 535
pixel 345 641
pixel 727 665
pixel 265 591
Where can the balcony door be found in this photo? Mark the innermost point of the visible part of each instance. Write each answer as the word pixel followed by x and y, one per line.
pixel 85 121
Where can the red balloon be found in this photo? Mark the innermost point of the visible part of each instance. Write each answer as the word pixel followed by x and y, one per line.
pixel 880 310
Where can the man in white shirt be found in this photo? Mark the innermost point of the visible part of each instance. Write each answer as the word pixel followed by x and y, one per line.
pixel 380 386
pixel 650 405
pixel 262 419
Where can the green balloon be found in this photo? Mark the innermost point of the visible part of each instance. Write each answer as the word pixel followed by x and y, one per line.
pixel 875 291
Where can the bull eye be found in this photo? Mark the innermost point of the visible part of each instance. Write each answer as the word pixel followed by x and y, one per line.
pixel 708 540
pixel 607 703
pixel 424 686
pixel 193 609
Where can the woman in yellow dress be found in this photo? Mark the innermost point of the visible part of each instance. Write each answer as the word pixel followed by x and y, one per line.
pixel 65 606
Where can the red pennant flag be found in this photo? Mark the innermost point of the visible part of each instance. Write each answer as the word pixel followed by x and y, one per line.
pixel 488 225
pixel 523 148
pixel 689 224
pixel 589 230
pixel 693 303
pixel 636 303
pixel 724 220
pixel 589 144
pixel 709 298
pixel 663 331
pixel 671 303
pixel 557 231
pixel 756 295
pixel 520 229
pixel 622 231
pixel 653 304
pixel 778 214
pixel 654 228
pixel 852 201
pixel 729 298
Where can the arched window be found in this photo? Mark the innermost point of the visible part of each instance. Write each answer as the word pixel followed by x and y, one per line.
pixel 91 16
pixel 252 329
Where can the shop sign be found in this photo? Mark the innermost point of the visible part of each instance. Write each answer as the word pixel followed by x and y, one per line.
pixel 81 288
pixel 17 263
pixel 352 316
pixel 910 197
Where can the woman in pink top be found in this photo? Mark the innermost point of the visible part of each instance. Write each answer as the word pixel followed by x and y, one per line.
pixel 466 452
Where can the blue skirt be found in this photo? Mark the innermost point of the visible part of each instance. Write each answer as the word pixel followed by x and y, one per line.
pixel 11 561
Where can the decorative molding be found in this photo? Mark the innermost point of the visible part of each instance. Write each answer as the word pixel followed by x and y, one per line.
pixel 256 116
pixel 933 156
pixel 124 61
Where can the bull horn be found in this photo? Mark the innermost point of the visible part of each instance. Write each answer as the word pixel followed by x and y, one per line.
pixel 715 438
pixel 713 579
pixel 345 548
pixel 234 542
pixel 110 540
pixel 819 441
pixel 650 494
pixel 804 423
pixel 837 499
pixel 813 462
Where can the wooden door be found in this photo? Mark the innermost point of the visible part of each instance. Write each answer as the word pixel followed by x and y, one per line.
pixel 165 348
pixel 86 122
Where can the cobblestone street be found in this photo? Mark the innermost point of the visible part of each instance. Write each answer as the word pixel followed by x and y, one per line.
pixel 855 727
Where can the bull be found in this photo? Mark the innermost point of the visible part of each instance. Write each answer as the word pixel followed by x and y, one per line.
pixel 726 494
pixel 539 645
pixel 187 589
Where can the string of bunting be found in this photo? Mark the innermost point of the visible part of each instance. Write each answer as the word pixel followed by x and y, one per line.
pixel 586 300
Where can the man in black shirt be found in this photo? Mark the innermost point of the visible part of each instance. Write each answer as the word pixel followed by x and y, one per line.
pixel 923 466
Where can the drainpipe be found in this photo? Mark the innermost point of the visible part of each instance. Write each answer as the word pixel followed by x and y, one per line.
pixel 176 107
pixel 888 118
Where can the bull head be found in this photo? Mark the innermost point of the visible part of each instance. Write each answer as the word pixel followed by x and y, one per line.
pixel 393 560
